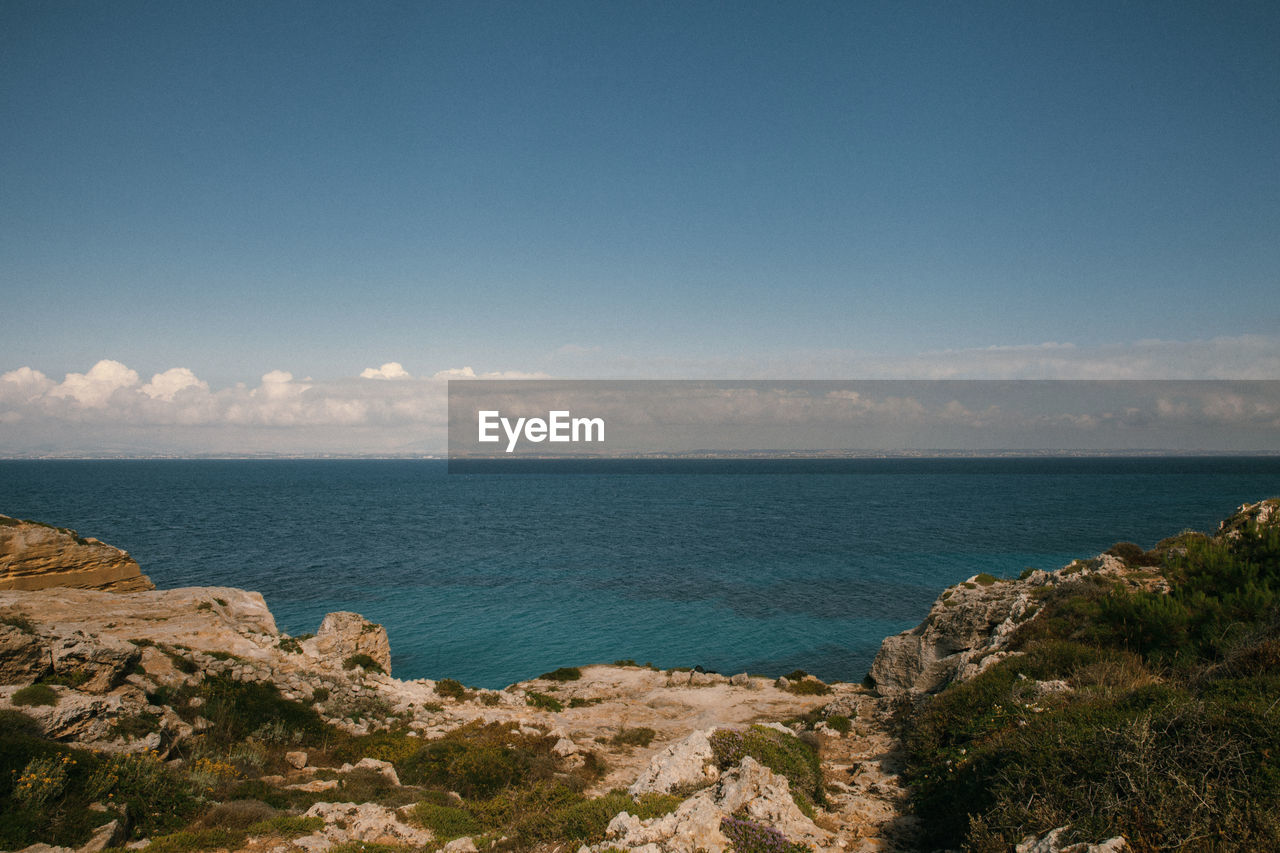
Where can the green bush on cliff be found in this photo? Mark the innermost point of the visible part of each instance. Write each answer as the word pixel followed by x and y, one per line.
pixel 34 694
pixel 477 761
pixel 239 709
pixel 538 813
pixel 363 661
pixel 784 754
pixel 1167 734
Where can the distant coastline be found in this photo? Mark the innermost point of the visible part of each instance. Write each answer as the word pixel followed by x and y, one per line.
pixel 763 454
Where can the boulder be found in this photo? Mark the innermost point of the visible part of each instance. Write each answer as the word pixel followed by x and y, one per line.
pixel 683 764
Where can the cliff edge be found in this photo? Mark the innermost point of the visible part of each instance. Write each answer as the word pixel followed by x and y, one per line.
pixel 39 556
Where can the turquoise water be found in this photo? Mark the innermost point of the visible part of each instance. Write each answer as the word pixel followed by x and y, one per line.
pixel 744 565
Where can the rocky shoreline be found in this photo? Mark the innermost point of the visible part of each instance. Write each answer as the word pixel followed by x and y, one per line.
pixel 124 670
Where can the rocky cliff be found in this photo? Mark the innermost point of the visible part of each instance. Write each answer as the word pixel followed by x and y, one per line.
pixel 39 556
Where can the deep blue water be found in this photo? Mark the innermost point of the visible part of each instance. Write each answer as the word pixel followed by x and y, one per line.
pixel 756 566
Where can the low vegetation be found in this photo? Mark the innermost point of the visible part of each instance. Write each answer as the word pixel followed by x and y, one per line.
pixel 564 673
pixel 1130 711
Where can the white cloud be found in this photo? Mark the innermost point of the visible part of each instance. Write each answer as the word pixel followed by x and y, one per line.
pixel 23 385
pixel 166 385
pixel 176 411
pixel 390 370
pixel 94 389
pixel 469 373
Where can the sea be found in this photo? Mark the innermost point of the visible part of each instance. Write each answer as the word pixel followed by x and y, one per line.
pixel 761 566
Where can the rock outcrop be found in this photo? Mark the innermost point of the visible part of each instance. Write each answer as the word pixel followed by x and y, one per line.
pixel 38 556
pixel 344 635
pixel 749 789
pixel 970 624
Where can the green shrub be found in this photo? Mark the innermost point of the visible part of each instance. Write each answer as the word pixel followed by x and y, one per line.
pixel 784 754
pixel 394 745
pixel 984 579
pixel 452 689
pixel 236 814
pixel 362 660
pixel 564 673
pixel 808 687
pixel 641 736
pixel 543 701
pixel 201 839
pixel 34 694
pixel 445 822
pixel 239 709
pixel 840 723
pixel 136 726
pixel 478 761
pixel 19 621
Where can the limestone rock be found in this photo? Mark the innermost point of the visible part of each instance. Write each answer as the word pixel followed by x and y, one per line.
pixel 684 763
pixel 1051 842
pixel 24 657
pixel 367 822
pixel 343 634
pixel 969 620
pixel 296 760
pixel 80 717
pixel 108 835
pixel 385 769
pixel 750 788
pixel 38 556
pixel 101 661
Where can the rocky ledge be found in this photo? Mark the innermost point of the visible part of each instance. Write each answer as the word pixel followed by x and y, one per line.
pixel 38 556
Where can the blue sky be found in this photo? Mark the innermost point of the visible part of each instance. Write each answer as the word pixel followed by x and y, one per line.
pixel 637 189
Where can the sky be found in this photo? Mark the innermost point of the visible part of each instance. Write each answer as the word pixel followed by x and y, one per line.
pixel 281 226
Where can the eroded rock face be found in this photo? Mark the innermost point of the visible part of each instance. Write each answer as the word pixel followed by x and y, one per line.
pixel 38 556
pixel 343 635
pixel 968 622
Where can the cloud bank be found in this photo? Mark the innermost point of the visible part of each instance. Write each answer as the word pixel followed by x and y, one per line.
pixel 110 409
